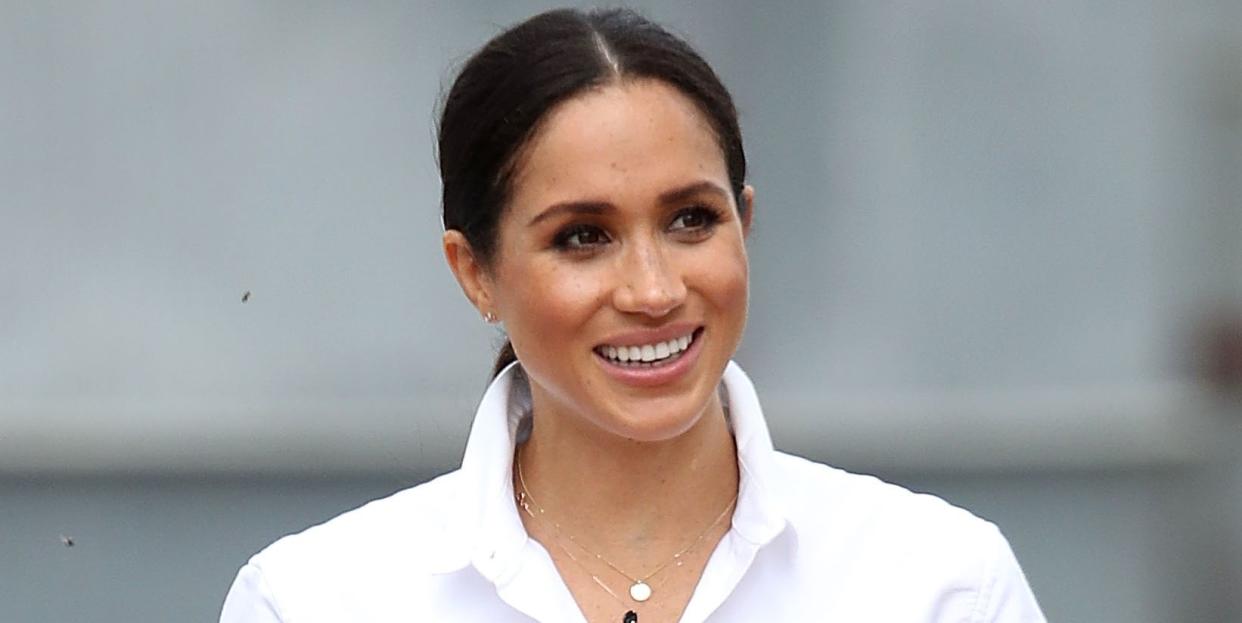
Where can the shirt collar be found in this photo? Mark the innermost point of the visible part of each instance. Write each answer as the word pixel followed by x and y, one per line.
pixel 490 533
pixel 760 515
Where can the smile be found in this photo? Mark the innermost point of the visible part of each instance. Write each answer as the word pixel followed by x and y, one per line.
pixel 647 355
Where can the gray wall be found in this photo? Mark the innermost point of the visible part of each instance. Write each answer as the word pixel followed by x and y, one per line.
pixel 986 236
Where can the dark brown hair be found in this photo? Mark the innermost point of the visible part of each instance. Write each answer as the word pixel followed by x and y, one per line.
pixel 508 86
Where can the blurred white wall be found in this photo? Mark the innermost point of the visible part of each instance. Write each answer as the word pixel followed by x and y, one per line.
pixel 986 235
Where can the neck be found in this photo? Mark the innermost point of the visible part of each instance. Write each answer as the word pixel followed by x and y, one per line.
pixel 617 493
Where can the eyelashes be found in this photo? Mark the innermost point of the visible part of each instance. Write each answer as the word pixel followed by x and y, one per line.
pixel 578 237
pixel 690 224
pixel 696 219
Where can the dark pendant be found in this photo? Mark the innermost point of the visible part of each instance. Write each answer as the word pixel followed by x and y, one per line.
pixel 630 617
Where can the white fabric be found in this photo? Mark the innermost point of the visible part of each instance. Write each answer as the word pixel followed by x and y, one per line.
pixel 808 543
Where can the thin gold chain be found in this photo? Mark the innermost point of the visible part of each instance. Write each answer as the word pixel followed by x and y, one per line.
pixel 526 499
pixel 584 568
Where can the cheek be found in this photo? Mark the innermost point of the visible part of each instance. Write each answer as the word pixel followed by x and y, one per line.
pixel 723 279
pixel 548 298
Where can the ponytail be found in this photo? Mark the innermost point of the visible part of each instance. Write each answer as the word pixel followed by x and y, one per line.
pixel 505 357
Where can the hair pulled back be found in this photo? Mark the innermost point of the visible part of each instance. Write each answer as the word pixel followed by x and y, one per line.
pixel 504 91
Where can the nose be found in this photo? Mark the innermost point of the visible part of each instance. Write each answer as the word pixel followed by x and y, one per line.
pixel 649 283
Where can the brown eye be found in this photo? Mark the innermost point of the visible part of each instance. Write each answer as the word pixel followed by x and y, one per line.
pixel 580 237
pixel 694 219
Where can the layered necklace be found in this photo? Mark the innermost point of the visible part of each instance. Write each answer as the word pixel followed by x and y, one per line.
pixel 640 588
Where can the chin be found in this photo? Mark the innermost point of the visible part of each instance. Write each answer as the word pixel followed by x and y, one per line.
pixel 661 419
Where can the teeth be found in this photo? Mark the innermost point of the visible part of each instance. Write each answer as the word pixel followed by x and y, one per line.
pixel 647 353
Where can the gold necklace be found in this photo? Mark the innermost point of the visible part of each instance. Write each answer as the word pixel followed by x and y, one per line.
pixel 630 616
pixel 640 590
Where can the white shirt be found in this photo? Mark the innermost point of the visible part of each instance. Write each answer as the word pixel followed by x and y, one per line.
pixel 808 543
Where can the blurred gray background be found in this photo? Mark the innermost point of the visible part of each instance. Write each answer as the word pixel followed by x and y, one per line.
pixel 997 256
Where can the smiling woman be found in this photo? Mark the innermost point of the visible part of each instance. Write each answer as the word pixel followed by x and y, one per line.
pixel 620 234
pixel 619 467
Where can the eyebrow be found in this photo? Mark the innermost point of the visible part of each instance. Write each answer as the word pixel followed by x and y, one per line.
pixel 685 192
pixel 596 208
pixel 572 207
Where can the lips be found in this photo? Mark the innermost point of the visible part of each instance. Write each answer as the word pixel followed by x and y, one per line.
pixel 663 357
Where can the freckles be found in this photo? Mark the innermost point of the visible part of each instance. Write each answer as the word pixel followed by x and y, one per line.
pixel 564 282
pixel 560 294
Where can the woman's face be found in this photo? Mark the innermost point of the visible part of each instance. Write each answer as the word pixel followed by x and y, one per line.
pixel 621 273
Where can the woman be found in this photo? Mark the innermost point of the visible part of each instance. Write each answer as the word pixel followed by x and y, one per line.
pixel 619 467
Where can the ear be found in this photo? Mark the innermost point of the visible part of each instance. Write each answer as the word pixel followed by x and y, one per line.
pixel 471 275
pixel 748 214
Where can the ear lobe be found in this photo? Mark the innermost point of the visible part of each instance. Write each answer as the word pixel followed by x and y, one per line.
pixel 748 211
pixel 470 273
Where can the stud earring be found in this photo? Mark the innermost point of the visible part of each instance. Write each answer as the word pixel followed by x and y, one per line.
pixel 489 317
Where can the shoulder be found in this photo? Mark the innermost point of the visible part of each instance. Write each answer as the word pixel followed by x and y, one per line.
pixel 879 534
pixel 817 494
pixel 346 561
pixel 412 521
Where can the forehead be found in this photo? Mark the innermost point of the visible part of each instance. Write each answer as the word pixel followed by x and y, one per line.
pixel 625 139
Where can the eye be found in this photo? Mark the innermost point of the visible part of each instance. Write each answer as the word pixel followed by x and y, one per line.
pixel 580 238
pixel 695 220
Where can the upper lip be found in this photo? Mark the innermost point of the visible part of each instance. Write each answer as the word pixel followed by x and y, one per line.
pixel 641 337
